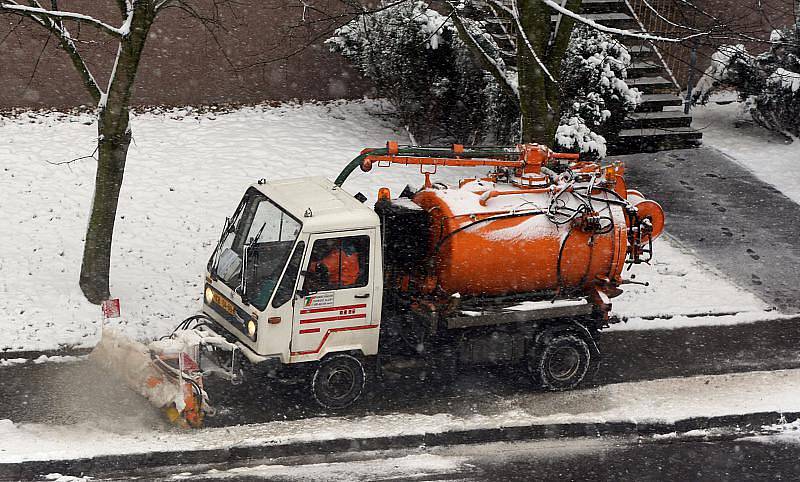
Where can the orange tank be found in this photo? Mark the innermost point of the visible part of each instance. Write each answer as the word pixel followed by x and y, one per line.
pixel 536 233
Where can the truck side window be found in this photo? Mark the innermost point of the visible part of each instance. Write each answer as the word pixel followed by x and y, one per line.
pixel 286 287
pixel 338 263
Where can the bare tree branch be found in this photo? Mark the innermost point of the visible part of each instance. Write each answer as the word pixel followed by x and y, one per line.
pixel 514 16
pixel 617 31
pixel 67 163
pixel 38 60
pixel 11 31
pixel 67 43
pixel 498 71
pixel 13 7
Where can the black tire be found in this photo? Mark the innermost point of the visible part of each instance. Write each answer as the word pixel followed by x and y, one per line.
pixel 338 381
pixel 560 362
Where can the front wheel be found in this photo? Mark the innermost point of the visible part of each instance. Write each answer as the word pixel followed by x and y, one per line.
pixel 561 363
pixel 338 381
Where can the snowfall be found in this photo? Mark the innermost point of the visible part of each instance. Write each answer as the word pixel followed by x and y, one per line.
pixel 186 172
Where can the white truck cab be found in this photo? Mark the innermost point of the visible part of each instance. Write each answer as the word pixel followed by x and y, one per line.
pixel 268 284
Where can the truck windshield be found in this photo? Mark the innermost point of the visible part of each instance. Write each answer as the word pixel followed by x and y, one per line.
pixel 255 247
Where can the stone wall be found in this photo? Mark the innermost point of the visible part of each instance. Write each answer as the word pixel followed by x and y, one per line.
pixel 247 59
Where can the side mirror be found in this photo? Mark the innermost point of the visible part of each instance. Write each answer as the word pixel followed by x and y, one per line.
pixel 311 278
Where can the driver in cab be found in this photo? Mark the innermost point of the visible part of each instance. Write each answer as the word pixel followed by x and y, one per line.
pixel 338 268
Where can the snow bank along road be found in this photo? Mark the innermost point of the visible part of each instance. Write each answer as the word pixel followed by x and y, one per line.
pixel 651 407
pixel 703 455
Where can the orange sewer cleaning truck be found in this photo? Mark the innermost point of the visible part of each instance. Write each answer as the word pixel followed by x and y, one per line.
pixel 307 282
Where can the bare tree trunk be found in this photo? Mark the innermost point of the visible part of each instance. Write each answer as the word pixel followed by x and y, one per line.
pixel 797 18
pixel 114 138
pixel 538 117
pixel 95 268
pixel 556 51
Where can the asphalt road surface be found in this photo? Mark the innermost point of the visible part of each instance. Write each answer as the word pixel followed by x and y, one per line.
pixel 65 393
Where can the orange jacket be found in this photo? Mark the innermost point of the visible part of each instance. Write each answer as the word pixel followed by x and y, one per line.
pixel 349 267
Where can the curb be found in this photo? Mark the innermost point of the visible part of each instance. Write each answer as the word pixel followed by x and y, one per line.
pixel 112 463
pixel 31 355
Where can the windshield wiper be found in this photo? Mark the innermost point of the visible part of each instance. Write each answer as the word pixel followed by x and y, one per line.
pixel 246 257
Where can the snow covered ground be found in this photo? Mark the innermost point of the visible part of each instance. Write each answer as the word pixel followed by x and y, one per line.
pixel 730 130
pixel 665 400
pixel 185 173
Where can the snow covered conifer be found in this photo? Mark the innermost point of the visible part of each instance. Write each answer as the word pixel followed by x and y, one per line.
pixel 596 98
pixel 417 61
pixel 414 58
pixel 768 83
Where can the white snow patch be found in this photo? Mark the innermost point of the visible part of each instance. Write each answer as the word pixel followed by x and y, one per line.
pixel 681 284
pixel 783 433
pixel 186 172
pixel 56 477
pixel 58 359
pixel 10 362
pixel 683 321
pixel 536 305
pixel 407 467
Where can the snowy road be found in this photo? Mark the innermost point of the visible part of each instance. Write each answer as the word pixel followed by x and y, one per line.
pixel 64 393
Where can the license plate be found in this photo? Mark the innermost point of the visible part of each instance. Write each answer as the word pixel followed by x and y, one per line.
pixel 224 304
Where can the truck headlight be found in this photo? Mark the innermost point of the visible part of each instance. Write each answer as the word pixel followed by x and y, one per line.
pixel 251 328
pixel 209 296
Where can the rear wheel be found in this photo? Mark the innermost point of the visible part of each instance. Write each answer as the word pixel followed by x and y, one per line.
pixel 338 381
pixel 560 363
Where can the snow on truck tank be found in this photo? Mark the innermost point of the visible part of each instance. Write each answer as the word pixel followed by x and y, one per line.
pixel 505 243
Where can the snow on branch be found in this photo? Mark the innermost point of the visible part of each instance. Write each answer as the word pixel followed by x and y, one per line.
pixel 617 31
pixel 58 29
pixel 495 67
pixel 27 11
pixel 514 15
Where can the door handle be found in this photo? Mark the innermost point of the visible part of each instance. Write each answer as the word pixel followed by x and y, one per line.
pixel 362 295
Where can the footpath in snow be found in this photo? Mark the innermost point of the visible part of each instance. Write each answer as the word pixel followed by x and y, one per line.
pixel 727 128
pixel 659 401
pixel 185 174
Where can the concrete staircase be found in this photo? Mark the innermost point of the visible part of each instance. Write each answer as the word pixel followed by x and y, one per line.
pixel 659 122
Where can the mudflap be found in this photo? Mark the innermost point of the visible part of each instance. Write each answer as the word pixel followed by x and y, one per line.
pixel 168 372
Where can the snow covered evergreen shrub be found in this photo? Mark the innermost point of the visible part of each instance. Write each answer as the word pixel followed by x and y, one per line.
pixel 768 83
pixel 414 57
pixel 595 97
